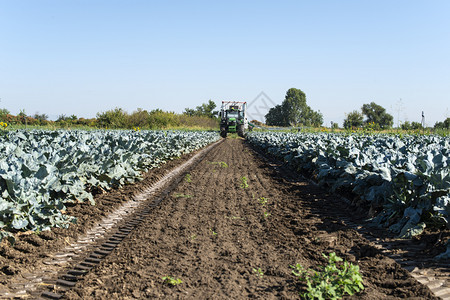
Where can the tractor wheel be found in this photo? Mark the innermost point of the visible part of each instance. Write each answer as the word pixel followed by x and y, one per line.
pixel 240 131
pixel 223 132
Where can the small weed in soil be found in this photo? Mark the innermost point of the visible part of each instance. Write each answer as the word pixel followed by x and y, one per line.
pixel 221 164
pixel 262 201
pixel 258 272
pixel 187 177
pixel 244 183
pixel 332 282
pixel 171 280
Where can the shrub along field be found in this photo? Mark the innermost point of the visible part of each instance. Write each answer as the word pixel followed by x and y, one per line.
pixel 115 119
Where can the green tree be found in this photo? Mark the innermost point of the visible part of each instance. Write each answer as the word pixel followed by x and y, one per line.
pixel 406 125
pixel 115 118
pixel 205 110
pixel 162 119
pixel 416 125
pixel 447 123
pixel 139 118
pixel 294 107
pixel 443 125
pixel 377 114
pixel 22 117
pixel 294 111
pixel 40 117
pixel 22 113
pixel 61 117
pixel 3 113
pixel 315 118
pixel 354 119
pixel 334 125
pixel 275 116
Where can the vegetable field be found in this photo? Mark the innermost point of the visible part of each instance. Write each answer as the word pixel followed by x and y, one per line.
pixel 142 215
pixel 405 180
pixel 41 171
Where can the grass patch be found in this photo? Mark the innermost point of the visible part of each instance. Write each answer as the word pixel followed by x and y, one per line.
pixel 180 195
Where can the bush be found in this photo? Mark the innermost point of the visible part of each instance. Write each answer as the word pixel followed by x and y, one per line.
pixel 162 119
pixel 406 126
pixel 3 113
pixel 139 118
pixel 332 282
pixel 443 125
pixel 198 121
pixel 372 126
pixel 353 120
pixel 115 118
pixel 416 125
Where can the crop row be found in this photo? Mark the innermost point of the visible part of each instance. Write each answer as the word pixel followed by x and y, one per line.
pixel 405 180
pixel 40 170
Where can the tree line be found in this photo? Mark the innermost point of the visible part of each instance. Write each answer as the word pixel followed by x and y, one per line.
pixel 294 111
pixel 202 117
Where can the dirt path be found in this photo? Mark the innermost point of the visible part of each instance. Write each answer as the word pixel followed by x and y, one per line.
pixel 212 233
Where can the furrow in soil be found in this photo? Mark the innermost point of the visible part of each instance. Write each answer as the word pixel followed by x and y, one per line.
pixel 220 236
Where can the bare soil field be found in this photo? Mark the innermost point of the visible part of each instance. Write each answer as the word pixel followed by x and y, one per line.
pixel 232 214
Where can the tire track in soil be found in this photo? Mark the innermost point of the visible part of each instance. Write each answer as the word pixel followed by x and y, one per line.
pixel 212 234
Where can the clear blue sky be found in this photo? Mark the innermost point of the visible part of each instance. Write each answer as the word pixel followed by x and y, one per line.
pixel 86 56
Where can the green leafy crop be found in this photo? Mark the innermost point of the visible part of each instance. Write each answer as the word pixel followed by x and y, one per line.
pixel 258 272
pixel 332 282
pixel 188 178
pixel 41 171
pixel 171 280
pixel 244 183
pixel 408 175
pixel 262 201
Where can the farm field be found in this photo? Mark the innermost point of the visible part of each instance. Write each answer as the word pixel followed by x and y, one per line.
pixel 231 228
pixel 402 181
pixel 212 233
pixel 42 171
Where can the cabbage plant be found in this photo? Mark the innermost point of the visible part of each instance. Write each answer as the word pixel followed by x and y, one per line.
pixel 41 171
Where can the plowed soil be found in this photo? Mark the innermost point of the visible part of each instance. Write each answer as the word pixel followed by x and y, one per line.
pixel 216 230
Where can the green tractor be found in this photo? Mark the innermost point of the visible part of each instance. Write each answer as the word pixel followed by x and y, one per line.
pixel 233 118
